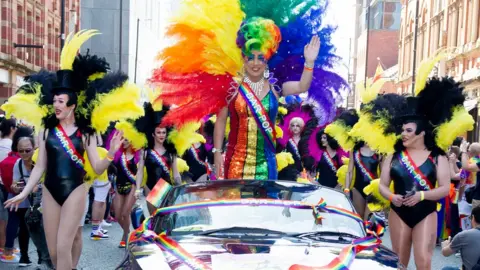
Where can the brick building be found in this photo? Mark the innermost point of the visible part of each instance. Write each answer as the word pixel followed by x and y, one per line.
pixel 443 23
pixel 382 44
pixel 31 22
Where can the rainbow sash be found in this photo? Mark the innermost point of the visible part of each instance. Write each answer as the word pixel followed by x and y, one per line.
pixel 420 179
pixel 365 171
pixel 160 161
pixel 69 148
pixel 260 114
pixel 295 148
pixel 330 161
pixel 128 172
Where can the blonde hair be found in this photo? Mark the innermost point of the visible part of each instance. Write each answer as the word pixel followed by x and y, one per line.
pixel 297 120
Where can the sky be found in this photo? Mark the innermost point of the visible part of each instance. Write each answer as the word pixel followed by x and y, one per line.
pixel 341 13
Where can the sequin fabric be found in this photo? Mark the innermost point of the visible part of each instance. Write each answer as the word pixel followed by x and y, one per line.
pixel 248 156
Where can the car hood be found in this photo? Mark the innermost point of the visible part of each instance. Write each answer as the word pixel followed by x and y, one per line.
pixel 279 254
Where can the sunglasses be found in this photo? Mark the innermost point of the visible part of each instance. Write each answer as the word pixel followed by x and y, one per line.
pixel 25 151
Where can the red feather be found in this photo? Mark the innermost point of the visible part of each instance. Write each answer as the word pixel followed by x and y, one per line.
pixel 186 91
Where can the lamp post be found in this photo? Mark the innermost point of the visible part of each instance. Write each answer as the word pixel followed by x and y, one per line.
pixel 366 47
pixel 415 47
pixel 62 24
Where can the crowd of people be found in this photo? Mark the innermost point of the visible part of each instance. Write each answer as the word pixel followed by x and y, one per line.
pixel 234 114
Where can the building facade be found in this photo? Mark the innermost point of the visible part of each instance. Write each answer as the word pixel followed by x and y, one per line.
pixel 381 31
pixel 31 22
pixel 443 24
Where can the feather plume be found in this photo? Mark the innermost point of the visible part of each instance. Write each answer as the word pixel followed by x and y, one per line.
pixel 72 46
pixel 426 67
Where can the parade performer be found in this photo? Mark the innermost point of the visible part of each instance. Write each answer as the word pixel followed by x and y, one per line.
pixel 363 162
pixel 293 124
pixel 158 147
pixel 238 48
pixel 81 100
pixel 427 124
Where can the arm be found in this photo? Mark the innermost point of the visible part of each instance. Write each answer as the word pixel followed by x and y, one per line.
pixel 350 171
pixel 310 54
pixel 100 165
pixel 443 178
pixel 450 247
pixel 218 137
pixel 176 175
pixel 140 167
pixel 466 164
pixel 16 178
pixel 99 139
pixel 454 175
pixel 385 178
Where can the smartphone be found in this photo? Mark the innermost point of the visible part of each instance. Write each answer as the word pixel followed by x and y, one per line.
pixel 409 194
pixel 21 184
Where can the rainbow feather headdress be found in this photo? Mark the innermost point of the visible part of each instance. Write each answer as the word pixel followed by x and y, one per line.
pixel 198 70
pixel 102 97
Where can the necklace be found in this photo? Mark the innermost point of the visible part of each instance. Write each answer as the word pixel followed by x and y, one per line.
pixel 257 87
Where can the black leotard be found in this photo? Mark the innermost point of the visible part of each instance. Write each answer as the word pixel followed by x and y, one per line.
pixel 404 183
pixel 123 182
pixel 370 163
pixel 155 171
pixel 327 176
pixel 62 176
pixel 196 162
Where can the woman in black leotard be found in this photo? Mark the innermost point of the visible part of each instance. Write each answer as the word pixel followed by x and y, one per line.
pixel 68 122
pixel 196 158
pixel 330 161
pixel 363 167
pixel 125 185
pixel 416 168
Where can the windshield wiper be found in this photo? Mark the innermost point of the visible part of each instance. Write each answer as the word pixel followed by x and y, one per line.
pixel 320 235
pixel 242 230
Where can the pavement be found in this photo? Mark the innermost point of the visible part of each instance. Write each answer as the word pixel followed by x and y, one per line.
pixel 105 254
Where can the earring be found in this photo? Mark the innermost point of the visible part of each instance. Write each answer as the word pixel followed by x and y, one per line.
pixel 266 73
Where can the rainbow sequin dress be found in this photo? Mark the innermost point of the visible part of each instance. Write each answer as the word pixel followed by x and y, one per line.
pixel 248 156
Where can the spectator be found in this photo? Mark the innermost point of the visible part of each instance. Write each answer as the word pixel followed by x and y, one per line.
pixel 468 243
pixel 7 129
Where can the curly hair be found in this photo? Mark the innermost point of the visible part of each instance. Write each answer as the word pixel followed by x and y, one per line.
pixel 259 34
pixel 331 141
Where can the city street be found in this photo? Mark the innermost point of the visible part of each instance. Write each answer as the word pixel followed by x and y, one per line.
pixel 105 255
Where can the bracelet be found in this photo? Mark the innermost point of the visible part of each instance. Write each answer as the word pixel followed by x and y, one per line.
pixel 346 190
pixel 422 195
pixel 391 197
pixel 308 68
pixel 109 158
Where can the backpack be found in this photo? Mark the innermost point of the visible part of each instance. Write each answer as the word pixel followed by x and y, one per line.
pixel 6 170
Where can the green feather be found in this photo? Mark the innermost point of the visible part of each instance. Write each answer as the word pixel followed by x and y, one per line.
pixel 280 11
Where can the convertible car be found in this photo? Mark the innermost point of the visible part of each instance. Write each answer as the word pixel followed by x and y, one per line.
pixel 241 224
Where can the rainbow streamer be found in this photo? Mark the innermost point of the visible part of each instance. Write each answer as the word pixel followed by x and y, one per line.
pixel 158 193
pixel 176 250
pixel 322 205
pixel 346 256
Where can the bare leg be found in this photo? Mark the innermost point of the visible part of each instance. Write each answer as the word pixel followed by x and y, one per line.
pixel 359 203
pixel 69 220
pixel 77 247
pixel 51 220
pixel 424 235
pixel 118 204
pixel 126 213
pixel 401 236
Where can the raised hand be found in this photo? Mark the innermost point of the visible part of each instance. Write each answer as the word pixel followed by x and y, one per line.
pixel 311 51
pixel 116 142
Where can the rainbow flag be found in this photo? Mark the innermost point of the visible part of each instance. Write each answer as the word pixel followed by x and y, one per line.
pixel 158 193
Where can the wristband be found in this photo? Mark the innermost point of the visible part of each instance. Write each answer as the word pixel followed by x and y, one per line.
pixel 308 68
pixel 109 158
pixel 346 190
pixel 422 195
pixel 391 197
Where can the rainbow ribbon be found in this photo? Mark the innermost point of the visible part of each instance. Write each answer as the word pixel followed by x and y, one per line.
pixel 173 248
pixel 346 256
pixel 322 205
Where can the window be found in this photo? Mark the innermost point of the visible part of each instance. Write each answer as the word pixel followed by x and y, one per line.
pixel 385 15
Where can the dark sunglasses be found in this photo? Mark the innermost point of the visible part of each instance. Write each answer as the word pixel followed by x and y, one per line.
pixel 26 151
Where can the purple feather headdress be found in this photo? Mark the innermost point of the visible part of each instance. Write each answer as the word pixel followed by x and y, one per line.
pixel 297 110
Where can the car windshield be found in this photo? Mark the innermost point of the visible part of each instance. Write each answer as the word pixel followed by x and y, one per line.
pixel 287 220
